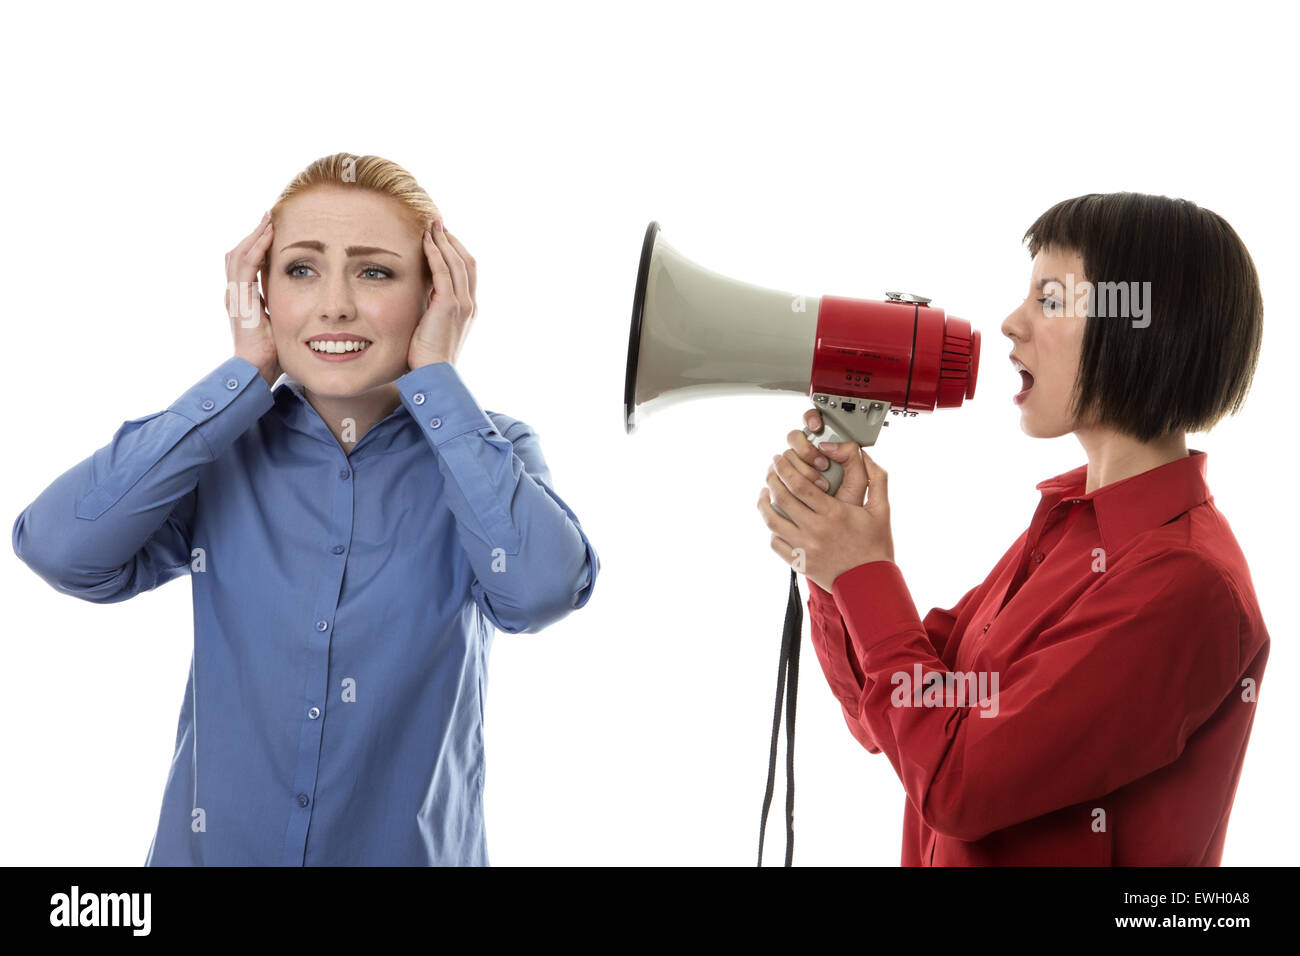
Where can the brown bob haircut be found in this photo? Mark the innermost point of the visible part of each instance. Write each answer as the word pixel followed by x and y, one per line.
pixel 1192 360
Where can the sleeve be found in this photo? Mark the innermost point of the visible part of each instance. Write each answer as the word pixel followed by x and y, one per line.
pixel 533 564
pixel 120 522
pixel 1106 695
pixel 834 649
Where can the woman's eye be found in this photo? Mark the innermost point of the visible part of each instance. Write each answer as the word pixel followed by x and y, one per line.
pixel 1050 305
pixel 383 273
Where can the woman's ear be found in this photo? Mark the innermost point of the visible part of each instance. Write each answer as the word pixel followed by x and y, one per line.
pixel 262 285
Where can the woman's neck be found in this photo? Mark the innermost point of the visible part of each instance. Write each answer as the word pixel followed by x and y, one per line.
pixel 1113 456
pixel 349 418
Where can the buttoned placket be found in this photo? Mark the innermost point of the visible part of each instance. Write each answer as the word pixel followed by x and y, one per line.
pixel 319 632
pixel 1045 520
pixel 317 635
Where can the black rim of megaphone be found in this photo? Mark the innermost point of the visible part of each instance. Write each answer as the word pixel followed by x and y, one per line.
pixel 634 339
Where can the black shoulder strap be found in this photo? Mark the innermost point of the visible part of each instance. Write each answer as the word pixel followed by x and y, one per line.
pixel 787 675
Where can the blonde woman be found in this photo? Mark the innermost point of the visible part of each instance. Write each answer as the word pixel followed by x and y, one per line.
pixel 353 534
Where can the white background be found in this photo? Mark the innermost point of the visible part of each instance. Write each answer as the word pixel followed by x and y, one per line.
pixel 839 149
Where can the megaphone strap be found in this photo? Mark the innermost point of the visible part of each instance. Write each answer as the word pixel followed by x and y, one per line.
pixel 787 675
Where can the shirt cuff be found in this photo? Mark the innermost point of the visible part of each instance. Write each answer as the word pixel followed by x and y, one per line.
pixel 817 593
pixel 440 401
pixel 875 604
pixel 234 387
pixel 217 409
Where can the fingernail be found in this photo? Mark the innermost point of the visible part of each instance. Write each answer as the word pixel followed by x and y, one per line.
pixel 826 445
pixel 823 484
pixel 438 225
pixel 820 463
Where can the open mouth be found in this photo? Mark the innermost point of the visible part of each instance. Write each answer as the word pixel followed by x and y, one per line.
pixel 1026 380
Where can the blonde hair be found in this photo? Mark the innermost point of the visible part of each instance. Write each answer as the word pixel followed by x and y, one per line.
pixel 365 172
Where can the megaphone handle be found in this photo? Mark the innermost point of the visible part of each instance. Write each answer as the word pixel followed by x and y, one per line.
pixel 834 471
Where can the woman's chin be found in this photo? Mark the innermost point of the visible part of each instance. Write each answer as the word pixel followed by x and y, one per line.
pixel 344 379
pixel 1037 430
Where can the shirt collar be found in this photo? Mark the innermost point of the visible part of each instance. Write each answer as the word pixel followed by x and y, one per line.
pixel 297 413
pixel 1138 503
pixel 292 406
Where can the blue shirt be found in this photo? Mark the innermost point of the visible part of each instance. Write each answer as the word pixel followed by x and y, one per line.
pixel 343 607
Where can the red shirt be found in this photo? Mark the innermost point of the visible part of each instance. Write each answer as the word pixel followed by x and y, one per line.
pixel 1120 649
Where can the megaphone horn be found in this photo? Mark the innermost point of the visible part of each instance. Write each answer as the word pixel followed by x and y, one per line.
pixel 697 334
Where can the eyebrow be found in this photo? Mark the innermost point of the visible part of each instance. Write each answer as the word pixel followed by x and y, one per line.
pixel 350 250
pixel 1046 279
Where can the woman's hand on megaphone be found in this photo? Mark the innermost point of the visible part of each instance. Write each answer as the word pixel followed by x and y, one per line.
pixel 824 536
pixel 853 488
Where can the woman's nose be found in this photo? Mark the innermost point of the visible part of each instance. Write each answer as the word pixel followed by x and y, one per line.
pixel 1013 327
pixel 338 296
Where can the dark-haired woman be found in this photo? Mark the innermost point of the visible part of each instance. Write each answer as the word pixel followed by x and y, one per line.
pixel 1090 702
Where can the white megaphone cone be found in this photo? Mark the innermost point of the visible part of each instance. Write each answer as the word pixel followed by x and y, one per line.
pixel 698 334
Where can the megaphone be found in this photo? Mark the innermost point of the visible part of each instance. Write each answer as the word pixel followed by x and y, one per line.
pixel 696 333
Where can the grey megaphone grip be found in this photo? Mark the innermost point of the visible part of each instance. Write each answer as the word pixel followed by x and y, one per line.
pixel 834 471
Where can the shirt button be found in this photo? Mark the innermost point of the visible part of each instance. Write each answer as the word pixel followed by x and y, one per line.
pixel 321 625
pixel 302 800
pixel 1038 556
pixel 232 383
pixel 418 398
pixel 208 404
pixel 344 474
pixel 986 627
pixel 314 713
pixel 435 423
pixel 337 549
